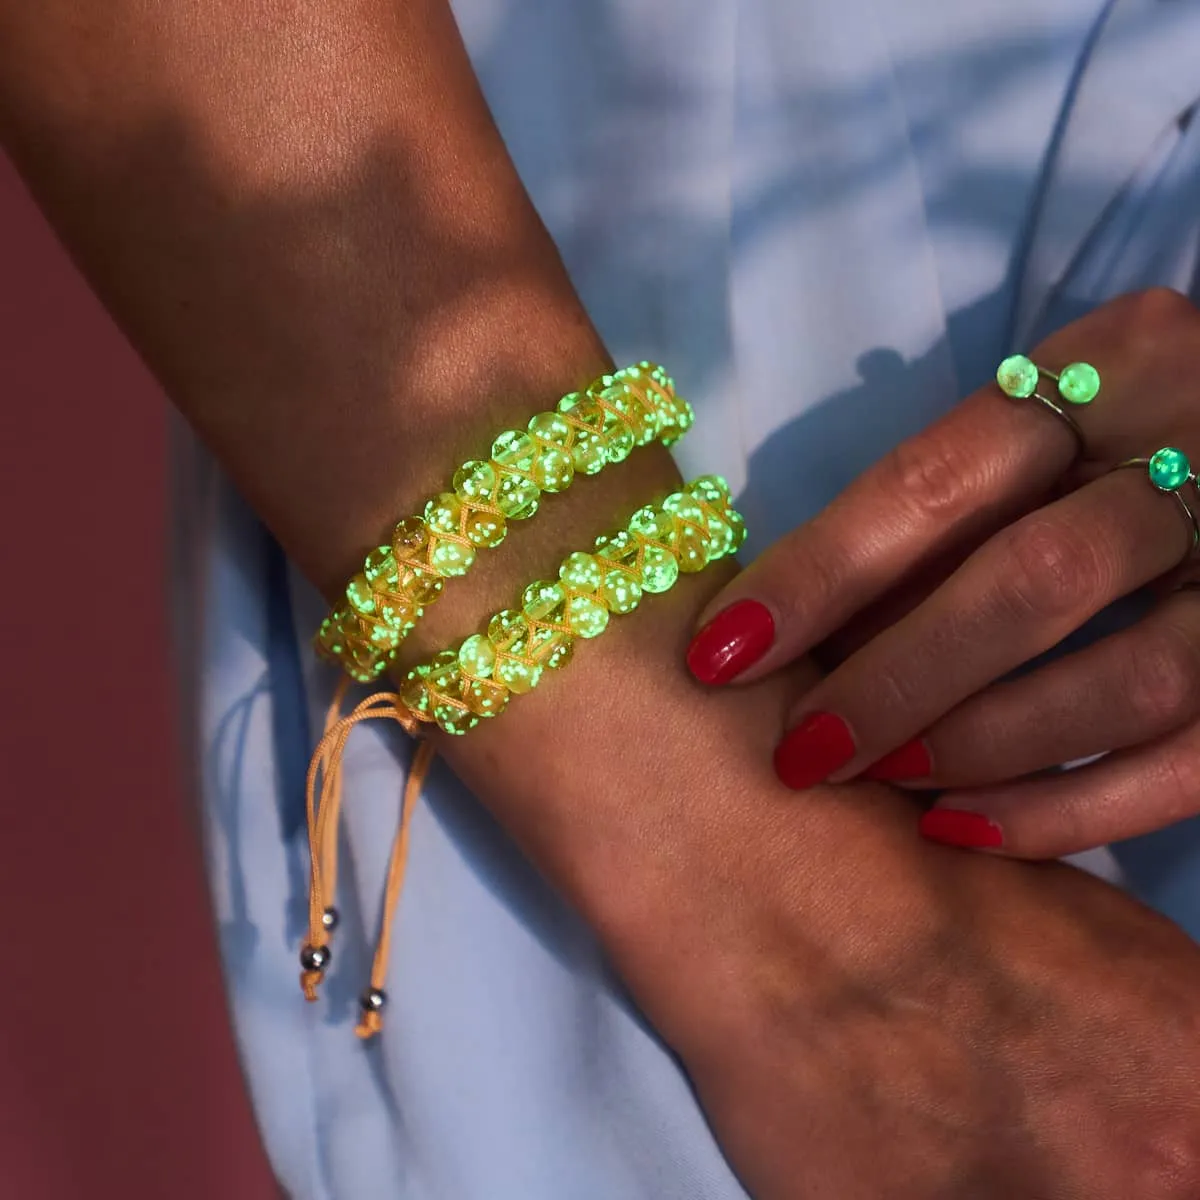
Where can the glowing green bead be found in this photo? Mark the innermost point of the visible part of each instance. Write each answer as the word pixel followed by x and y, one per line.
pixel 586 617
pixel 507 630
pixel 559 650
pixel 477 656
pixel 485 697
pixel 722 537
pixel 1017 376
pixel 443 513
pixel 621 593
pixel 1079 383
pixel 551 427
pixel 660 569
pixel 410 535
pixel 544 600
pixel 381 564
pixel 654 523
pixel 385 637
pixel 1169 469
pixel 713 489
pixel 514 449
pixel 554 469
pixel 414 695
pixel 360 595
pixel 518 497
pixel 583 408
pixel 443 672
pixel 455 720
pixel 619 547
pixel 486 529
pixel 423 586
pixel 588 453
pixel 475 480
pixel 452 558
pixel 581 572
pixel 518 677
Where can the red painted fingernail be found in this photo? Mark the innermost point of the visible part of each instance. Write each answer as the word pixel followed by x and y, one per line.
pixel 733 640
pixel 812 751
pixel 910 761
pixel 954 827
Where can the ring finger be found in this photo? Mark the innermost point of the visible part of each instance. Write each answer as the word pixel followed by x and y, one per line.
pixel 1017 596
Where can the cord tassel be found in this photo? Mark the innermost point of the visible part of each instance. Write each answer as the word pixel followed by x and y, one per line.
pixel 323 801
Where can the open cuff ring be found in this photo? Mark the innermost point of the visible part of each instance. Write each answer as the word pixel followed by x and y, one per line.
pixel 1077 384
pixel 1170 471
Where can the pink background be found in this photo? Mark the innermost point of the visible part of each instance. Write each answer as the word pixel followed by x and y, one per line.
pixel 117 1070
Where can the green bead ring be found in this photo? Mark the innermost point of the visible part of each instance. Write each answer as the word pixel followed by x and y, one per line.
pixel 1169 470
pixel 1077 384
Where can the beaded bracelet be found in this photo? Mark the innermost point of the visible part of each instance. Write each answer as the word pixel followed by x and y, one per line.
pixel 586 431
pixel 687 531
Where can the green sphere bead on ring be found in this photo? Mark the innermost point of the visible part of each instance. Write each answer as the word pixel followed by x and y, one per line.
pixel 1169 469
pixel 1017 377
pixel 1079 383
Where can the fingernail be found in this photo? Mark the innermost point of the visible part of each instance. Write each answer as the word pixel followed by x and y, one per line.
pixel 910 761
pixel 735 638
pixel 812 751
pixel 954 827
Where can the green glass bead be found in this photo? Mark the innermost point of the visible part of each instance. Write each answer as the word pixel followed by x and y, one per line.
pixel 514 449
pixel 451 558
pixel 477 656
pixel 544 600
pixel 1169 469
pixel 554 469
pixel 654 523
pixel 660 569
pixel 550 427
pixel 713 489
pixel 443 513
pixel 507 630
pixel 518 677
pixel 588 453
pixel 360 595
pixel 475 480
pixel 414 695
pixel 618 547
pixel 518 497
pixel 621 594
pixel 486 529
pixel 1017 376
pixel 737 523
pixel 721 537
pixel 381 564
pixel 558 651
pixel 586 617
pixel 454 719
pixel 692 539
pixel 444 672
pixel 385 637
pixel 581 572
pixel 1079 383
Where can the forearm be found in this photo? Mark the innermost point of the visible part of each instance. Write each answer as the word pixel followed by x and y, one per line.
pixel 308 226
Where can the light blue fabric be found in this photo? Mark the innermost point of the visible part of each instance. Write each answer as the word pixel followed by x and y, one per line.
pixel 830 218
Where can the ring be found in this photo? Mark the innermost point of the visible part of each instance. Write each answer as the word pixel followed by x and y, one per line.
pixel 1078 384
pixel 1169 470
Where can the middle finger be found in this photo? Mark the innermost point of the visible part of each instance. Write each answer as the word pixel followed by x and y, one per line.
pixel 1017 596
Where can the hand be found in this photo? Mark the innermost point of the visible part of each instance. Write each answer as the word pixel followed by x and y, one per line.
pixel 921 1025
pixel 1040 538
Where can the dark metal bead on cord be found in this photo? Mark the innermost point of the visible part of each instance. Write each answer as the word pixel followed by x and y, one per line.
pixel 372 1000
pixel 330 918
pixel 315 958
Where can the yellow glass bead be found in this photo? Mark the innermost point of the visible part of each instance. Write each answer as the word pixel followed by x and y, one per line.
pixel 476 480
pixel 486 529
pixel 550 427
pixel 586 617
pixel 507 630
pixel 654 523
pixel 385 637
pixel 515 450
pixel 581 572
pixel 561 648
pixel 621 593
pixel 660 569
pixel 409 536
pixel 381 565
pixel 554 469
pixel 453 718
pixel 713 489
pixel 422 585
pixel 517 676
pixel 414 695
pixel 620 547
pixel 544 600
pixel 477 656
pixel 443 513
pixel 517 498
pixel 485 697
pixel 588 453
pixel 451 558
pixel 360 595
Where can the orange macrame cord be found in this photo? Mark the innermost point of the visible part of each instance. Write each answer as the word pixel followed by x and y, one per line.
pixel 325 779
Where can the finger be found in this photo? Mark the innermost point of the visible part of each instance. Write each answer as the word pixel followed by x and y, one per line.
pixel 1123 795
pixel 1133 687
pixel 1016 597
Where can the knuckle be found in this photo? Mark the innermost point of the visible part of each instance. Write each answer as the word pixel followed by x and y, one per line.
pixel 1051 571
pixel 934 475
pixel 1163 678
pixel 1154 315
